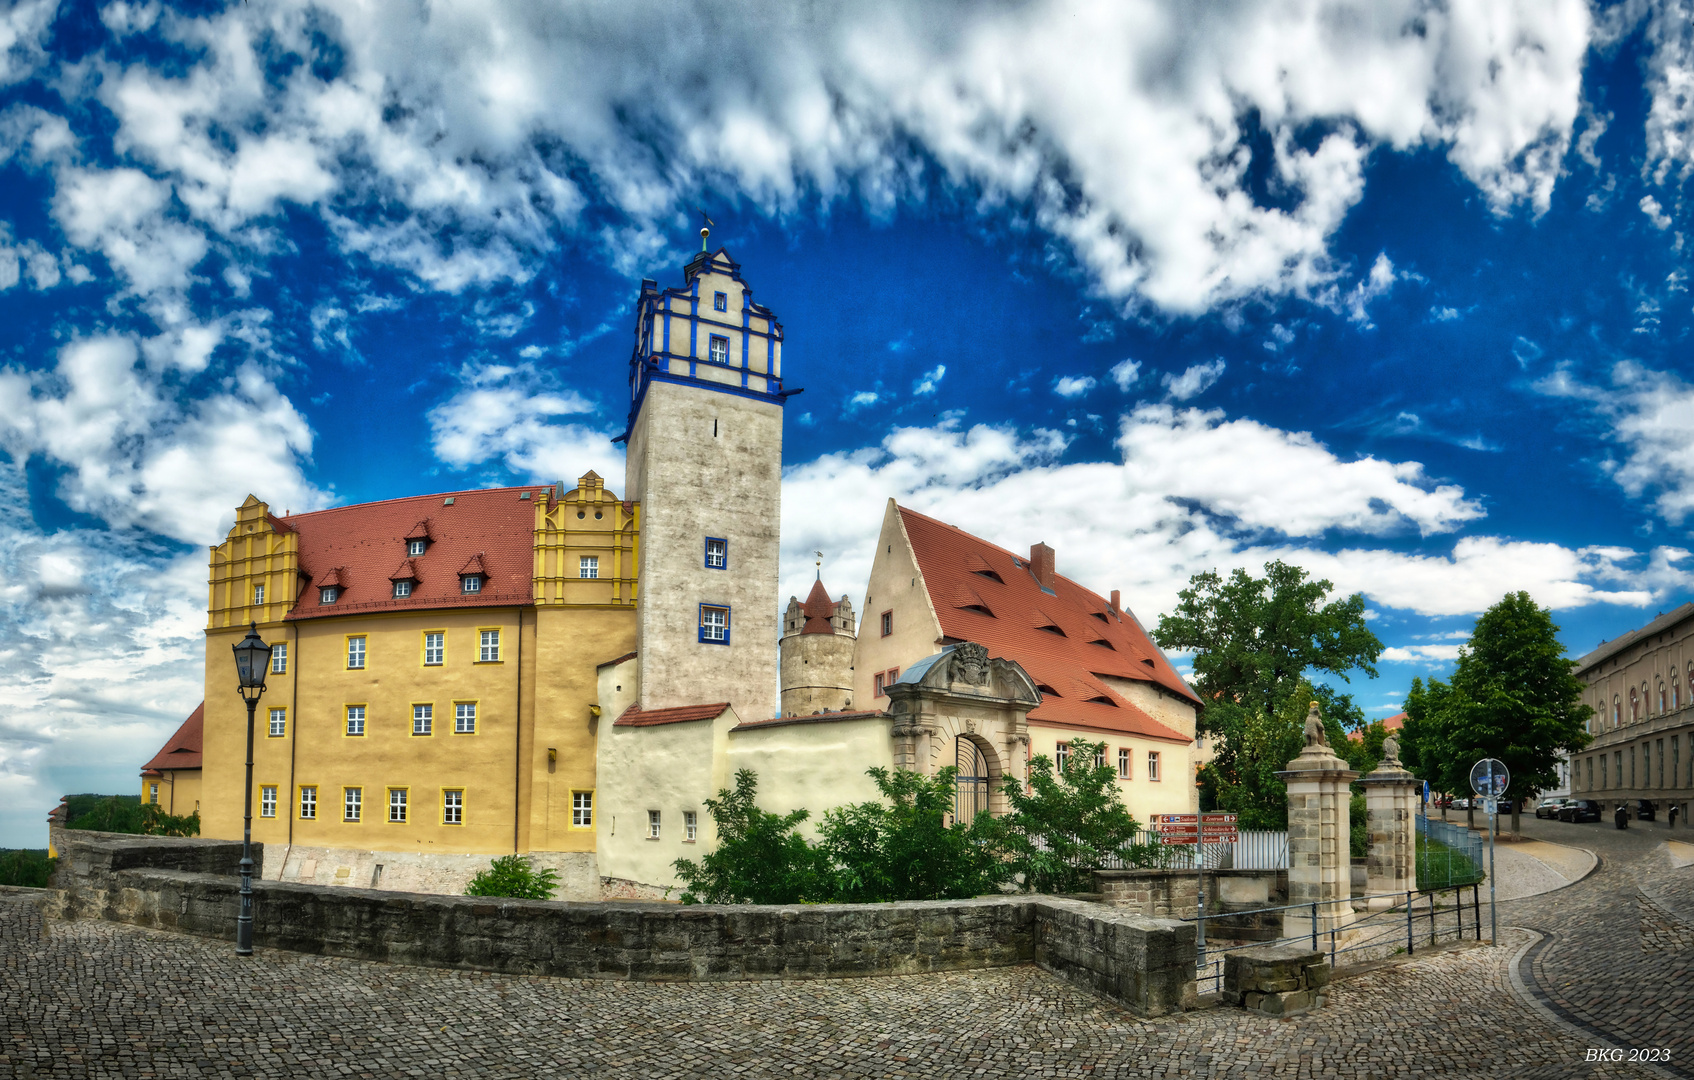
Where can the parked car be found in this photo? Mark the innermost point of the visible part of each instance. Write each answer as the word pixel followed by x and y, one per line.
pixel 1645 810
pixel 1579 810
pixel 1549 808
pixel 1461 804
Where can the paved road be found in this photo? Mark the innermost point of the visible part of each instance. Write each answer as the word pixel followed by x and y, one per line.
pixel 101 1000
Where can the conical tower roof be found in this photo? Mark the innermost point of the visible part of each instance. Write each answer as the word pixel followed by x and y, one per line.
pixel 819 609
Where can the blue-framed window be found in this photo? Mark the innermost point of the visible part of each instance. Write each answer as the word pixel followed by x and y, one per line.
pixel 719 349
pixel 714 624
pixel 717 553
pixel 720 301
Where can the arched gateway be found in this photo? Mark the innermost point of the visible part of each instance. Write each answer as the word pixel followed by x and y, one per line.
pixel 959 707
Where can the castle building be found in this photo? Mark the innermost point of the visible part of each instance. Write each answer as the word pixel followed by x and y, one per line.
pixel 1641 688
pixel 171 779
pixel 818 639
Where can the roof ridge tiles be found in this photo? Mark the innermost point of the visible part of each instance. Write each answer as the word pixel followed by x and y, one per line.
pixel 293 518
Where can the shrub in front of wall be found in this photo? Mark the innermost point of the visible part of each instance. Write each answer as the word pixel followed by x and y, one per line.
pixel 513 876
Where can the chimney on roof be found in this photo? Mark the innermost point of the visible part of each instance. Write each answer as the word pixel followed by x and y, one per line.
pixel 1116 605
pixel 1041 565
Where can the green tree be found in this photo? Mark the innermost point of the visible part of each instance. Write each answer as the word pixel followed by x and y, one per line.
pixel 26 867
pixel 1071 821
pixel 905 849
pixel 760 857
pixel 513 876
pixel 1254 640
pixel 1513 696
pixel 127 814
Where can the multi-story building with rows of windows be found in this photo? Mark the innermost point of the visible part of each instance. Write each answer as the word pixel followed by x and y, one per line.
pixel 570 673
pixel 1641 688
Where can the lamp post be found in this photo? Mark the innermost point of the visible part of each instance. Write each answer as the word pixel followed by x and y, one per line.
pixel 252 661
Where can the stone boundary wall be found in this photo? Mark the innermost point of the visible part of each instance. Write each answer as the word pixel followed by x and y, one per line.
pixel 1143 964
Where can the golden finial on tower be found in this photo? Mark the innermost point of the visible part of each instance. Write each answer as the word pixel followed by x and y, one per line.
pixel 706 229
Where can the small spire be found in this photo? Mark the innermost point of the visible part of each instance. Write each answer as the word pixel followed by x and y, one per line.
pixel 819 555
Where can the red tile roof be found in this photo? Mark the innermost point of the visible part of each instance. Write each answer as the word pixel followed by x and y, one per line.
pixel 814 718
pixel 634 716
pixel 819 610
pixel 182 750
pixel 1392 723
pixel 1065 639
pixel 359 546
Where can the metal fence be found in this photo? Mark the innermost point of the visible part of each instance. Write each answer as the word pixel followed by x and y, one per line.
pixel 1449 856
pixel 1253 850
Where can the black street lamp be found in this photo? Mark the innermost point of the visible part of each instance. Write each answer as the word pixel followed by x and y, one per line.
pixel 252 661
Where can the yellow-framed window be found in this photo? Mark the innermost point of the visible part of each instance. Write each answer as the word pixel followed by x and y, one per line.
pixel 355 652
pixel 355 728
pixel 279 722
pixel 582 809
pixel 352 804
pixel 308 802
pixel 452 806
pixel 423 718
pixel 397 799
pixel 464 717
pixel 434 648
pixel 488 644
pixel 267 800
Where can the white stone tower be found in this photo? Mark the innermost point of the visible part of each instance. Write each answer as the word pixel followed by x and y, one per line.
pixel 817 653
pixel 705 463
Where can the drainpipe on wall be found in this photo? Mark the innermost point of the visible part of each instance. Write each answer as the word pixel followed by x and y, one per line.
pixel 293 742
pixel 517 742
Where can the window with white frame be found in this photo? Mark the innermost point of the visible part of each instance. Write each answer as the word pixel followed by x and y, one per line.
pixel 258 594
pixel 355 719
pixel 435 649
pixel 719 349
pixel 402 588
pixel 327 594
pixel 415 546
pixel 714 624
pixel 153 793
pixel 880 684
pixel 352 803
pixel 279 658
pixel 464 718
pixel 582 809
pixel 267 801
pixel 887 622
pixel 652 824
pixel 472 583
pixel 355 653
pixel 1100 758
pixel 717 553
pixel 308 803
pixel 720 301
pixel 397 805
pixel 1152 764
pixel 279 723
pixel 588 566
pixel 1124 759
pixel 452 807
pixel 490 650
pixel 1062 755
pixel 690 826
pixel 423 719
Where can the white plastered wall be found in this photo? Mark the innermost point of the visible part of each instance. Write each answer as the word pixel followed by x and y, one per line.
pixel 1173 793
pixel 895 584
pixel 815 765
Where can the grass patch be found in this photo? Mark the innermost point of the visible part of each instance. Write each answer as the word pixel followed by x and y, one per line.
pixel 1444 867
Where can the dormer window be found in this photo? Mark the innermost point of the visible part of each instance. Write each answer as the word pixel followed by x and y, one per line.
pixel 328 593
pixel 416 547
pixel 402 589
pixel 471 583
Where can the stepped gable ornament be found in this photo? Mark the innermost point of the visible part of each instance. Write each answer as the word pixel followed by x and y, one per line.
pixel 1314 728
pixel 970 664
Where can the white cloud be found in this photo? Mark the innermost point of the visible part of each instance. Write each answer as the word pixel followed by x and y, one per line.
pixel 1655 213
pixel 1376 284
pixel 1074 386
pixel 1125 373
pixel 929 381
pixel 461 147
pixel 1431 655
pixel 25 261
pixel 1443 314
pixel 1669 64
pixel 23 30
pixel 506 414
pixel 1650 415
pixel 124 214
pixel 863 399
pixel 1195 381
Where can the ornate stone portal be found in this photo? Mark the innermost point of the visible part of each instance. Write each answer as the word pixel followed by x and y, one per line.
pixel 1391 800
pixel 1319 866
pixel 960 693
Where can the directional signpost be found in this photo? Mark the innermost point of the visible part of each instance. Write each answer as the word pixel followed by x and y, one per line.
pixel 1199 830
pixel 1489 779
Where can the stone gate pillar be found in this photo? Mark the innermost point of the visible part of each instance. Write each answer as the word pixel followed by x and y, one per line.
pixel 1318 857
pixel 1391 800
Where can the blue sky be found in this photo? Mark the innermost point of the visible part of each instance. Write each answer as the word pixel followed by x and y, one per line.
pixel 1393 291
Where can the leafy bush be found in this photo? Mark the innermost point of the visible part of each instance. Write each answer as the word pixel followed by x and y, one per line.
pixel 26 867
pixel 513 876
pixel 908 851
pixel 1071 821
pixel 1358 827
pixel 760 858
pixel 127 814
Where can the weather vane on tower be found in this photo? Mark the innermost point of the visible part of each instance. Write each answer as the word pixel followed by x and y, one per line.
pixel 705 229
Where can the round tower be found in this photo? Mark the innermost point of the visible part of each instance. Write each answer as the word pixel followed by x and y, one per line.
pixel 817 654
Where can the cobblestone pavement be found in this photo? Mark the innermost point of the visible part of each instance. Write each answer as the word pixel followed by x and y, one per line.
pixel 1618 956
pixel 1613 968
